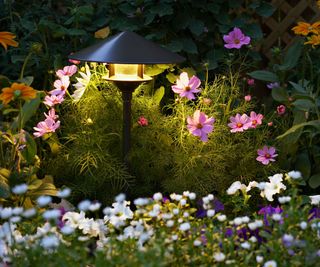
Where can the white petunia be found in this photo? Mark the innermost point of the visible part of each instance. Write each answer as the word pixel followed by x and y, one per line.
pixel 234 187
pixel 276 217
pixel 51 214
pixel 141 201
pixel 95 206
pixel 50 242
pixel 295 174
pixel 157 196
pixel 44 200
pixel 120 198
pixel 284 199
pixel 192 196
pixel 315 200
pixel 270 264
pixel 20 189
pixel 64 193
pixel 197 243
pixel 219 257
pixel 245 245
pixel 221 218
pixel 67 230
pixel 211 213
pixel 84 205
pixel 184 226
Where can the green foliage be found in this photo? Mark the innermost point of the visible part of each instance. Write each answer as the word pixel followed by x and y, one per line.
pixel 164 155
pixel 297 72
pixel 49 31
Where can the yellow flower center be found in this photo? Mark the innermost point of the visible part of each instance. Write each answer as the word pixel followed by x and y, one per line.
pixel 239 125
pixel 199 126
pixel 236 41
pixel 187 88
pixel 254 122
pixel 267 155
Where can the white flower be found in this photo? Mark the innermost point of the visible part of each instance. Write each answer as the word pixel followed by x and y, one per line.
pixel 211 213
pixel 259 223
pixel 15 219
pixel 192 196
pixel 234 187
pixel 245 219
pixel 303 225
pixel 259 259
pixel 222 218
pixel 219 256
pixel 175 211
pixel 186 214
pixel 315 199
pixel 17 210
pixel 253 239
pixel 67 230
pixel 183 202
pixel 246 245
pixel 6 213
pixel 44 200
pixel 29 213
pixel 51 214
pixel 82 83
pixel 73 218
pixel 121 197
pixel 170 223
pixel 174 237
pixel 49 242
pixel 287 238
pixel 205 200
pixel 252 226
pixel 273 187
pixel 20 189
pixel 261 185
pixel 184 226
pixel 284 199
pixel 94 206
pixel 157 196
pixel 84 205
pixel 64 193
pixel 237 221
pixel 276 216
pixel 197 243
pixel 295 174
pixel 83 238
pixel 210 197
pixel 251 185
pixel 141 201
pixel 270 264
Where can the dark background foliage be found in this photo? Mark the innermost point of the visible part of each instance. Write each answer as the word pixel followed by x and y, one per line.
pixel 51 30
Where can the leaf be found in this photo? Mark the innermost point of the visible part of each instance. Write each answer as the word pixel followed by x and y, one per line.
pixel 280 94
pixel 4 190
pixel 175 46
pixel 265 9
pixel 153 70
pixel 102 33
pixel 76 32
pixel 28 110
pixel 303 164
pixel 264 75
pixel 292 56
pixel 314 180
pixel 189 46
pixel 314 123
pixel 171 77
pixel 158 95
pixel 303 104
pixel 30 151
pixel 253 30
pixel 196 26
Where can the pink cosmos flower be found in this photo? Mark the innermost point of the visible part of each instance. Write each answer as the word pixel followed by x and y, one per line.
pixel 270 123
pixel 73 61
pixel 185 87
pixel 53 100
pixel 200 125
pixel 67 71
pixel 46 126
pixel 60 86
pixel 247 98
pixel 239 123
pixel 250 82
pixel 142 121
pixel 281 109
pixel 51 114
pixel 256 119
pixel 266 154
pixel 236 39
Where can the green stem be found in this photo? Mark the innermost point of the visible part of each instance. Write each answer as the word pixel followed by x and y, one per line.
pixel 25 64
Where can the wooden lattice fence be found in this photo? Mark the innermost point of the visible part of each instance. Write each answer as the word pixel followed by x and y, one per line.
pixel 277 28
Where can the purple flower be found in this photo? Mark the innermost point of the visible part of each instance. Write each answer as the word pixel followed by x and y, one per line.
pixel 268 211
pixel 314 213
pixel 236 39
pixel 266 154
pixel 273 85
pixel 200 125
pixel 185 87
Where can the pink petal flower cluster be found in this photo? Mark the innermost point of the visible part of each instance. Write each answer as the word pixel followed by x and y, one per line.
pixel 236 39
pixel 200 125
pixel 186 87
pixel 142 121
pixel 240 123
pixel 55 97
pixel 281 109
pixel 266 155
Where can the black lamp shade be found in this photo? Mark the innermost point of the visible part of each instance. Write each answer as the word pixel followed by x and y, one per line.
pixel 127 48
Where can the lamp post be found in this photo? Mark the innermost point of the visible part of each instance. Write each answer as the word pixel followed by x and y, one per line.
pixel 126 54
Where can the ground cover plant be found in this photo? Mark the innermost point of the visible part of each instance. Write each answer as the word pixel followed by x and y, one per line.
pixel 236 176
